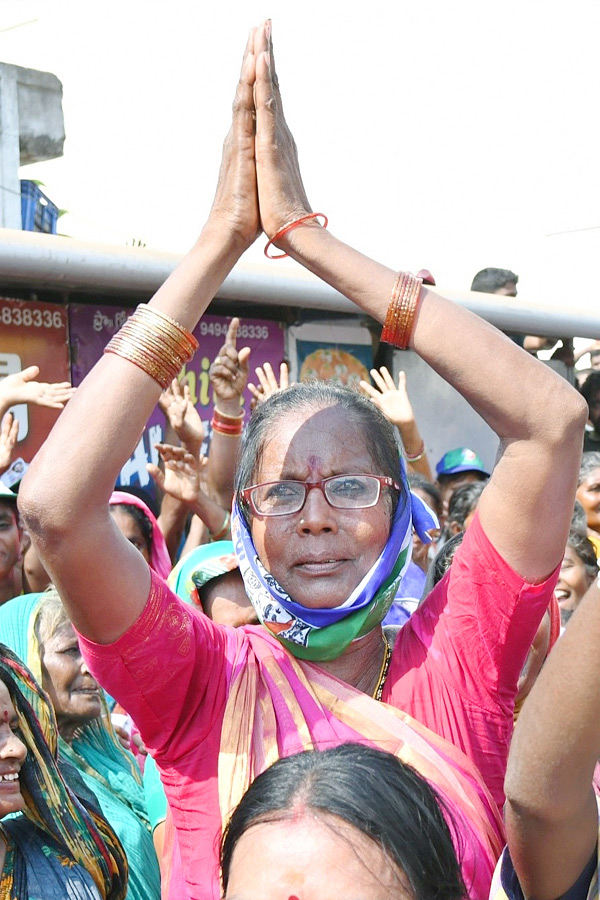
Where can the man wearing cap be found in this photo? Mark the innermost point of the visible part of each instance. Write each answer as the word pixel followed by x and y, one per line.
pixel 11 534
pixel 455 468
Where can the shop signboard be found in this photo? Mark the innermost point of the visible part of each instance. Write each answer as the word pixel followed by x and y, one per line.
pixel 341 352
pixel 91 327
pixel 33 334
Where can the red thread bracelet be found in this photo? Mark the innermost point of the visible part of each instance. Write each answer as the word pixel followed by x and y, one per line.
pixel 288 227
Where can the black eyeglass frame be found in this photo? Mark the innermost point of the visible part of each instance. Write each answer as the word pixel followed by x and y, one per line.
pixel 245 494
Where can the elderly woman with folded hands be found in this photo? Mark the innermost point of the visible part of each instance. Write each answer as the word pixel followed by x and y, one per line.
pixel 322 525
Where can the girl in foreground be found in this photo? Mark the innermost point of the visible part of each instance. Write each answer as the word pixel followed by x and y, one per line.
pixel 370 826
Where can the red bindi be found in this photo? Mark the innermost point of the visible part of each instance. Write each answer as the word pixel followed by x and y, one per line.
pixel 6 715
pixel 313 464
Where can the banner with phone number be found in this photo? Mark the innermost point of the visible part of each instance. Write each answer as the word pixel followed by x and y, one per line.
pixel 33 334
pixel 91 327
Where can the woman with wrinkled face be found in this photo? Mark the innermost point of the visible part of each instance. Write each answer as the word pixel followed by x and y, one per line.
pixel 322 527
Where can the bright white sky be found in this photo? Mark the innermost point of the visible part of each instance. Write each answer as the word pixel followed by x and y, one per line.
pixel 446 135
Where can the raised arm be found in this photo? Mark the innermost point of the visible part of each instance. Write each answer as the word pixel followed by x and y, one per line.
pixel 64 498
pixel 394 403
pixel 228 376
pixel 551 812
pixel 538 417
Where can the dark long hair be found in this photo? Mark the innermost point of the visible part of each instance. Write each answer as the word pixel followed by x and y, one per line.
pixel 371 790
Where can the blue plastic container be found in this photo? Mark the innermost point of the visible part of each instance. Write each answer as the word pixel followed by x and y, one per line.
pixel 38 212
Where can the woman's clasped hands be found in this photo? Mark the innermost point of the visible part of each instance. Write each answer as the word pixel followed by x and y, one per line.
pixel 260 186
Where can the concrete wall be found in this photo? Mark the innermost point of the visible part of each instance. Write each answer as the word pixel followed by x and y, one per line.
pixel 31 130
pixel 444 418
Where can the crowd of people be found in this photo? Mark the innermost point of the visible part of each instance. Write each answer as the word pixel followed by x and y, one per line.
pixel 298 676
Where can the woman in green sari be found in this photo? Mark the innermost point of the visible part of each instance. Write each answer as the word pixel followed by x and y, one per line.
pixel 37 629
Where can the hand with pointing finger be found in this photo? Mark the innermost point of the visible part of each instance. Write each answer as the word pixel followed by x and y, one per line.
pixel 229 373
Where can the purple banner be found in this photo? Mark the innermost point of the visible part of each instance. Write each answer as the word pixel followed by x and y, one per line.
pixel 91 327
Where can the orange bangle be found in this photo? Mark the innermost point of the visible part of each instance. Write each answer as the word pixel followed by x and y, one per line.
pixel 231 430
pixel 288 227
pixel 401 312
pixel 225 419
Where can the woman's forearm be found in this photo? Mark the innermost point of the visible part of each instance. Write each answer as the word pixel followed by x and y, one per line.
pixel 414 447
pixel 222 463
pixel 537 415
pixel 212 514
pixel 114 416
pixel 551 812
pixel 459 345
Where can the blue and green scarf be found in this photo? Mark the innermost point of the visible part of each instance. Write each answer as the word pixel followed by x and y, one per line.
pixel 323 634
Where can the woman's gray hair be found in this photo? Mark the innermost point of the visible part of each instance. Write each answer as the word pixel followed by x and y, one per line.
pixel 51 616
pixel 584 549
pixel 378 432
pixel 589 461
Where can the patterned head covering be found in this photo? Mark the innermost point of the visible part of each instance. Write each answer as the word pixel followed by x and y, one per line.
pixel 50 803
pixel 324 634
pixel 200 566
pixel 159 555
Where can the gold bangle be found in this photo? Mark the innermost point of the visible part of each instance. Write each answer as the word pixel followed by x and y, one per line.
pixel 225 418
pixel 155 343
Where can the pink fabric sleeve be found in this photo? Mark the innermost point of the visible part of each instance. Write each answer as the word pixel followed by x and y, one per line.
pixel 457 661
pixel 166 667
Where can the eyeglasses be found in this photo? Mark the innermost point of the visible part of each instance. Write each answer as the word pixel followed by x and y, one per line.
pixel 282 498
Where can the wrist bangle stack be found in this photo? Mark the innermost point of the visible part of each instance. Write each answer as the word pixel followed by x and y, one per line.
pixel 155 343
pixel 418 455
pixel 224 529
pixel 401 312
pixel 230 425
pixel 288 227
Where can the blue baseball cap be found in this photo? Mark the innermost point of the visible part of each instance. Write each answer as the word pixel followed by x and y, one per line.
pixel 460 460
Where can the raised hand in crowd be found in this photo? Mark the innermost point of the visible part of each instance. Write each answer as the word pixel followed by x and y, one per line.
pixel 182 479
pixel 182 416
pixel 9 433
pixel 21 387
pixel 229 372
pixel 267 382
pixel 229 377
pixel 183 424
pixel 395 405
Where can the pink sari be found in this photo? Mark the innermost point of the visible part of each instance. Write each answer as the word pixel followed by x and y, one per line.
pixel 278 705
